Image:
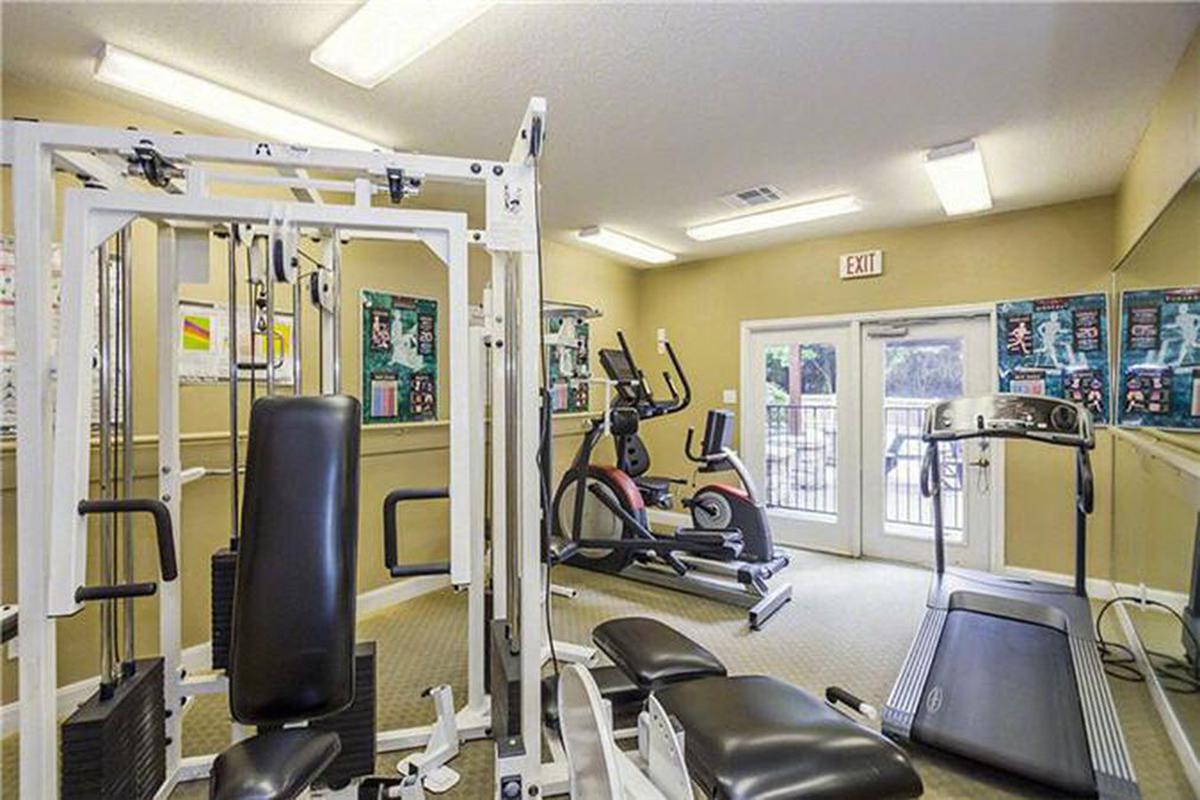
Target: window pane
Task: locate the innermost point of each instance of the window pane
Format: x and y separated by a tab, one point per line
918	372
801	436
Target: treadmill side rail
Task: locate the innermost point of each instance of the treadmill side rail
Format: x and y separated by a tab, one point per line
1106	741
905	699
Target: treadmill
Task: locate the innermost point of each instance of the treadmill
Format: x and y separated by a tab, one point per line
1005	671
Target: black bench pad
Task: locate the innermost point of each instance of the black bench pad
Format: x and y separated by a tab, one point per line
652	654
276	765
758	738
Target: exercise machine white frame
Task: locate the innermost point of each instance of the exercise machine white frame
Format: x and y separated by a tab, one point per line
53	446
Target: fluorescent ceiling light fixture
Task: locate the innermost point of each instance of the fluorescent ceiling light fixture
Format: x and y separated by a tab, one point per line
384	36
131	72
624	245
959	178
776	218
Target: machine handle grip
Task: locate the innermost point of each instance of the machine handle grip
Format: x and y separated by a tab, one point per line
391	544
927	477
163	529
670	387
87	593
1087	482
836	694
687	447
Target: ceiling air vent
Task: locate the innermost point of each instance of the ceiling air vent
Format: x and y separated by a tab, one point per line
754	196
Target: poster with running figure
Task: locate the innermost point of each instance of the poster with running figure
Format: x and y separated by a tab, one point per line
1056	346
567	361
1160	358
399	358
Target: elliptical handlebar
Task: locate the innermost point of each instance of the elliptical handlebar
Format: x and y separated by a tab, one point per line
687	387
642	396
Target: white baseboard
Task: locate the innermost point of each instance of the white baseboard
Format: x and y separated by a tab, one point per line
198	658
1103	589
1099	588
1176	600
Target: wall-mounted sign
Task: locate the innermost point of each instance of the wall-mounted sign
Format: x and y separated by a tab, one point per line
1056	346
868	264
566	341
1160	358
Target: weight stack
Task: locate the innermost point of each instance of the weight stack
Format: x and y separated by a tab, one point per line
355	726
115	749
224	575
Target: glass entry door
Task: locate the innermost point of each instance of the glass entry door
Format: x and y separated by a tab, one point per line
800	441
906	367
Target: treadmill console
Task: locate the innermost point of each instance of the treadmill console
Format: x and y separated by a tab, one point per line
1011	416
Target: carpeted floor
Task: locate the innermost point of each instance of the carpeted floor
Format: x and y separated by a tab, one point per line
850	624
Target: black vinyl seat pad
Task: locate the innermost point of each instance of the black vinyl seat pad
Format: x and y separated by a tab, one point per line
755	737
276	765
653	654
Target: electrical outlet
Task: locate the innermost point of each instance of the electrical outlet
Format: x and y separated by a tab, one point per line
661	337
729	396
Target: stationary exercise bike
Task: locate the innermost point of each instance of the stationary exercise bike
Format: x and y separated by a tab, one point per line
600	511
720	506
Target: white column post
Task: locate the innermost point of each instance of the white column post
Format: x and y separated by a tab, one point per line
170	604
33	217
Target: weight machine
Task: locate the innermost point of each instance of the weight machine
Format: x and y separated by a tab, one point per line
166	179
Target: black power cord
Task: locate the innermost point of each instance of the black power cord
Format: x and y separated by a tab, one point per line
545	443
1175	673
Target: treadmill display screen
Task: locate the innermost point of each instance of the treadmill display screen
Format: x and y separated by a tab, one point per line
1046	419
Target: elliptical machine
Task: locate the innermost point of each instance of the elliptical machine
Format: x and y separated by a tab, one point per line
600	511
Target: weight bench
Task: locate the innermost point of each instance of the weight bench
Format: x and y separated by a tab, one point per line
750	737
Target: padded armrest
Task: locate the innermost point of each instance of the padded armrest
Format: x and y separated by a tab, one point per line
652	654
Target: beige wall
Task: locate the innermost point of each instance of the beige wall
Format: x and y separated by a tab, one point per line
1168	153
1046	251
393	455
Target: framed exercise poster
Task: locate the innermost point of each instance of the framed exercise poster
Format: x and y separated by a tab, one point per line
1160	358
399	358
567	361
1056	346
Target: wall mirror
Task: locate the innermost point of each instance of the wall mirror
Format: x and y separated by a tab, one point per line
1156	480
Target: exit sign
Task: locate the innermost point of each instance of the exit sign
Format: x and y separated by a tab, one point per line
861	265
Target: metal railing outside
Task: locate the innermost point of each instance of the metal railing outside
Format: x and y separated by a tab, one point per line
903	450
801	454
801	447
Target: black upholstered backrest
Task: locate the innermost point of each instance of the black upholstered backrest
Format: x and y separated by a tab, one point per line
292	652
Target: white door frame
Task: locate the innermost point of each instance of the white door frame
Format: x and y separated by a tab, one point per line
855	321
841	535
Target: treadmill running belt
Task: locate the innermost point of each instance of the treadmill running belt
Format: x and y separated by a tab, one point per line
1003	693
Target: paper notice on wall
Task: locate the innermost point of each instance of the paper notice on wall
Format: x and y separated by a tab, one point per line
8	330
204	344
510	215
